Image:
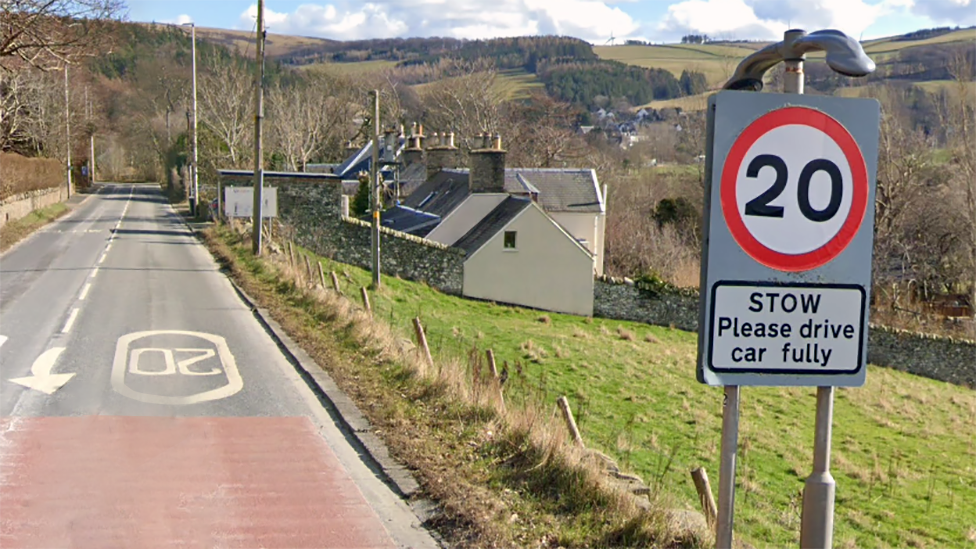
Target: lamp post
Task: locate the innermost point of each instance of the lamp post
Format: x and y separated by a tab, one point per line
193	170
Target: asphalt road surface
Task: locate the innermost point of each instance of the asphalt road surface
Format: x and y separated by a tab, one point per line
142	405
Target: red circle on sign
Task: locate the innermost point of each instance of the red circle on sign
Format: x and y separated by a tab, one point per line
859	201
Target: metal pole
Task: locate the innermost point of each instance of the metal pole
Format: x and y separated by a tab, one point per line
258	116
196	180
67	126
375	184
726	476
817	520
91	138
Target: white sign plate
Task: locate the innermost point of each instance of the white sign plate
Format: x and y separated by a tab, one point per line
786	329
239	202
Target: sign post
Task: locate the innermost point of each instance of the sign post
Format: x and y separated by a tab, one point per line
786	263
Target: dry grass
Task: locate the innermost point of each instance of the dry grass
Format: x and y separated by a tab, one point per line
503	475
19	174
15	231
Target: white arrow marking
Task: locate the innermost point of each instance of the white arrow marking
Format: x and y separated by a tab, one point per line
41	378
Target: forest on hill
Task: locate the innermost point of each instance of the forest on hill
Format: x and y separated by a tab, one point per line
568	67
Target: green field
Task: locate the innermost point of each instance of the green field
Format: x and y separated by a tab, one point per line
509	84
904	448
716	62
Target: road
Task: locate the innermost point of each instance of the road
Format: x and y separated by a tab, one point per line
142	404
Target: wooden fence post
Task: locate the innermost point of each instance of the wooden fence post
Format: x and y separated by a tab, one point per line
700	478
291	254
422	341
321	275
563	403
493	367
491	363
335	282
366	305
308	269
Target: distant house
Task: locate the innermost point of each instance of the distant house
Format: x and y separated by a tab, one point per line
532	236
518	254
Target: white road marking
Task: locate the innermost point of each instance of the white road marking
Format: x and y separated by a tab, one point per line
3	339
109	247
41	378
94	272
127	361
71	320
84	292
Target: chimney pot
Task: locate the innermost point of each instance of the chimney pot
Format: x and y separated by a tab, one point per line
450	140
496	142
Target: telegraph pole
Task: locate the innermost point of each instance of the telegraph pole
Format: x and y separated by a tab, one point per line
67	126
258	116
375	184
91	139
196	179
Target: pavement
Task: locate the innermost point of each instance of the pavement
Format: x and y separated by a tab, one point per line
142	404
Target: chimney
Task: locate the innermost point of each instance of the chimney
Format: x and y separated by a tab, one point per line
350	148
488	165
441	155
389	145
413	153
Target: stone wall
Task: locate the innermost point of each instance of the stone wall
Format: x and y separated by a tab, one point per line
941	358
625	301
309	212
21	205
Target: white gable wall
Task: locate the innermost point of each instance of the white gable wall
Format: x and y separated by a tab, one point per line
586	226
465	217
547	270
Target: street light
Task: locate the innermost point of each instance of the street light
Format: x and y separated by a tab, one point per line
193	170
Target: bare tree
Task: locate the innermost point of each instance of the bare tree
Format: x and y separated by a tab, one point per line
47	33
226	108
466	104
309	117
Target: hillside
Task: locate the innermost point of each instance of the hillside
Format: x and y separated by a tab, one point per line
920	61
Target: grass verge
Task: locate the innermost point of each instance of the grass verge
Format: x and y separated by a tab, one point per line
502	475
18	229
904	450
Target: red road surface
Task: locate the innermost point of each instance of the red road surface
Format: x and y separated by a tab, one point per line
145	482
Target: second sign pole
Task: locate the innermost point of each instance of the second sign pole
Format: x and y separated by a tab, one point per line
817	519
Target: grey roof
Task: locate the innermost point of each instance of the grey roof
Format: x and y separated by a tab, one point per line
441	194
407	220
412	177
559	189
480	234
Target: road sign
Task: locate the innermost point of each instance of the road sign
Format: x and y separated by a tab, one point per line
787	259
239	202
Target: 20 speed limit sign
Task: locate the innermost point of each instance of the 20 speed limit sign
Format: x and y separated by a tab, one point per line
787	260
794	189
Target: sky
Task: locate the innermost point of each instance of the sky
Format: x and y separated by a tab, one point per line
592	20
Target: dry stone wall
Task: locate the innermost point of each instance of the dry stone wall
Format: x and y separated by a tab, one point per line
20	205
309	210
941	358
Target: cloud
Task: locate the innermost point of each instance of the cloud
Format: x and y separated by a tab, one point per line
954	12
767	19
179	20
593	20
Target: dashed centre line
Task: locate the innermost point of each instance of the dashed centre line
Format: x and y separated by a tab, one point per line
94	272
71	320
84	292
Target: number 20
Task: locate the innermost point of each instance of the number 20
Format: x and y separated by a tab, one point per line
760	207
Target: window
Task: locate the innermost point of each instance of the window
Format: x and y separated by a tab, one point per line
510	240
